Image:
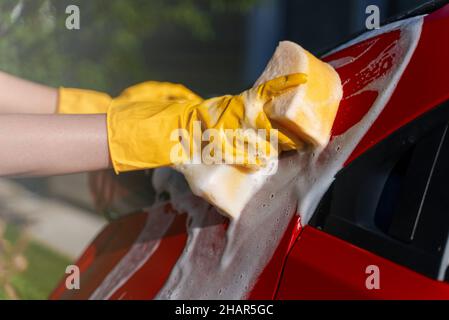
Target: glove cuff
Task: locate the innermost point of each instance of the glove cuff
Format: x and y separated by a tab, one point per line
79	101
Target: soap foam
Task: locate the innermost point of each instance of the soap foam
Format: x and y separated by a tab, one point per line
242	250
219	263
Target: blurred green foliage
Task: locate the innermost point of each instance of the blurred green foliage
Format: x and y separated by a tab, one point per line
45	267
35	44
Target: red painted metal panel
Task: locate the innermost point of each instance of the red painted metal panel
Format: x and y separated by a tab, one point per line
321	266
423	85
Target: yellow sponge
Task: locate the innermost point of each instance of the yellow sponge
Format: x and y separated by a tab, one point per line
308	111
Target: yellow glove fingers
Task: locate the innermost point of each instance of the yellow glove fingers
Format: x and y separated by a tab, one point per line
280	85
153	90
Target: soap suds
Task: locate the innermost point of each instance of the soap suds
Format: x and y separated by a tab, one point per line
242	250
145	245
224	263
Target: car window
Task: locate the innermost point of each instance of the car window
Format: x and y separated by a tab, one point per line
394	200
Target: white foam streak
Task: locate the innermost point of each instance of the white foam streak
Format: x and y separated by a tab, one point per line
143	248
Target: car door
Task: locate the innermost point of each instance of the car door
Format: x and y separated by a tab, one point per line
381	230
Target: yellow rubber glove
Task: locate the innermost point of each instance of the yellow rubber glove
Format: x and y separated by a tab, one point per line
140	133
80	101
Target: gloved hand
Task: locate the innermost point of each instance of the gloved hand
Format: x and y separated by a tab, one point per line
141	133
80	101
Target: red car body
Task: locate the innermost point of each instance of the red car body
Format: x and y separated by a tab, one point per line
309	262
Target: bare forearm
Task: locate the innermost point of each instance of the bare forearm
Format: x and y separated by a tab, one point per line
22	96
35	145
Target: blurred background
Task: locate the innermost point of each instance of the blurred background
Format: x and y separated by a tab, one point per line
212	46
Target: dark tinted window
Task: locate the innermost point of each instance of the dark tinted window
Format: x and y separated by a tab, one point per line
394	199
